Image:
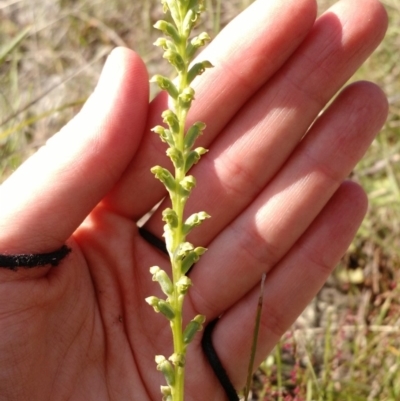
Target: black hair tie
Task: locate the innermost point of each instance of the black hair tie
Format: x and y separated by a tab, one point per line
206	342
30	260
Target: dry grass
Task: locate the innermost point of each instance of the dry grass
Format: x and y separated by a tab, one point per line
349	348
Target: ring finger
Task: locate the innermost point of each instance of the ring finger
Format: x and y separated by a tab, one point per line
255	241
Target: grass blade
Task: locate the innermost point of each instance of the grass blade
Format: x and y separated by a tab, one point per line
255	339
13	44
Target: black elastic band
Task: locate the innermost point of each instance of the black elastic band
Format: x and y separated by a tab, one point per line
30	260
219	370
153	240
206	342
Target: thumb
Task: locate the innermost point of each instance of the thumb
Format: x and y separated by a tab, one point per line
47	198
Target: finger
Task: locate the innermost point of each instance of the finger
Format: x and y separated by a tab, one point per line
269	227
248	52
45	200
291	285
254	146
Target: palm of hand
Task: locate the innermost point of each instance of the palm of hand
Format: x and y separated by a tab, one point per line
82	330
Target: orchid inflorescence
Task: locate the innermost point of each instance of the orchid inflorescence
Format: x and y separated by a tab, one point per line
179	51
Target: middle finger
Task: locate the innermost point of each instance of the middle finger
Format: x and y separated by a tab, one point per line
256	144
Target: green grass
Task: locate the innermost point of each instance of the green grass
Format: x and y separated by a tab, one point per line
51	54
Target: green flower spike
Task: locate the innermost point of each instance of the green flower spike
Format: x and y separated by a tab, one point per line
179	50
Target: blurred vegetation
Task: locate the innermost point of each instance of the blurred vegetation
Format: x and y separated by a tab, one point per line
51	54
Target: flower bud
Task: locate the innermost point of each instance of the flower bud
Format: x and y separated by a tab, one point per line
162	278
164	176
196	43
165	44
164	3
169	238
183	285
170	217
168	29
166	368
175	59
170	118
193	157
176	157
186	97
174	9
194	220
183	249
191	258
192	328
193	133
164	134
188	22
166	393
177	359
161	42
200	40
166	309
188	183
198	69
153	301
200	7
165	84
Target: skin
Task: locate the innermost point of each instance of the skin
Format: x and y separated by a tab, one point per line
279	201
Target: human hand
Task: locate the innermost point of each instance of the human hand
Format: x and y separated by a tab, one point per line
277	197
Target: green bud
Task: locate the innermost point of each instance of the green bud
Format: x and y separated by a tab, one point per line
165	390
161	306
186	97
194	220
188	22
161	42
174	9
168	29
193	157
183	249
177	359
164	134
192	328
170	118
169	237
166	309
197	6
188	183
165	84
175	59
170	217
193	133
165	5
166	368
153	301
176	157
165	44
164	176
198	69
196	43
166	393
183	285
162	278
191	258
200	40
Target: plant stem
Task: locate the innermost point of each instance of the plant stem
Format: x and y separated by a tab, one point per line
179	52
